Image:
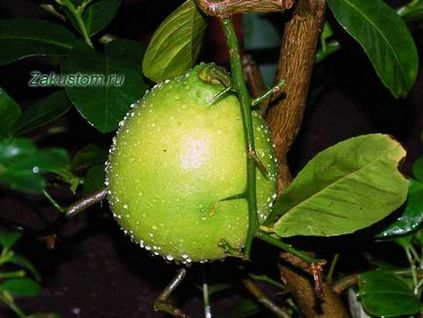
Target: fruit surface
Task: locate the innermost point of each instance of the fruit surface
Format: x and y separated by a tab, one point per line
176	165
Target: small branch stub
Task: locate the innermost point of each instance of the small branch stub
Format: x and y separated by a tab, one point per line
226	8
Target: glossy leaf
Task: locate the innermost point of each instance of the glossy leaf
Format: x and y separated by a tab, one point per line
9	113
94	180
412	216
24	287
43	112
244	308
384	37
387	295
113	85
22	261
176	44
20	38
9	238
344	188
21	164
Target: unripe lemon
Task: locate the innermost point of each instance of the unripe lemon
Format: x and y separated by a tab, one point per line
177	171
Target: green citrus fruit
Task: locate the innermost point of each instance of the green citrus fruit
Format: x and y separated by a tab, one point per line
177	171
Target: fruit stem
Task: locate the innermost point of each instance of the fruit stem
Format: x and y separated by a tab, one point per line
240	87
286	247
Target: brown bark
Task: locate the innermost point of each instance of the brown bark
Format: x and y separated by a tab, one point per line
295	274
297	58
227	8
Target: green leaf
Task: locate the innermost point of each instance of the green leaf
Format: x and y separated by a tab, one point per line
24	287
113	86
20	38
98	15
9	113
94	180
385	39
176	44
21	164
418	169
412	217
43	112
127	50
9	238
387	295
22	261
344	188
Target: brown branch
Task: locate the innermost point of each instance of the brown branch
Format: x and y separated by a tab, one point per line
227	8
296	62
344	283
296	276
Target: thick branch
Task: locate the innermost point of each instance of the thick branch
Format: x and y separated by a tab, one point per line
296	62
329	305
226	8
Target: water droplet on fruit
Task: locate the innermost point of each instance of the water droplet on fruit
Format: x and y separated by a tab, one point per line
170	258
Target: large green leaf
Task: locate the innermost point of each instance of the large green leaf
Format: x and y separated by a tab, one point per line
21	164
176	44
43	112
384	37
9	113
387	295
24	287
21	38
344	188
103	103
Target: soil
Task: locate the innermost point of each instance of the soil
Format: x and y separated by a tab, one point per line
96	272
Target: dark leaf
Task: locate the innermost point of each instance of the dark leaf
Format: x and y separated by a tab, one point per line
94	180
20	38
88	156
112	86
387	295
384	37
412	217
127	50
9	113
418	169
43	112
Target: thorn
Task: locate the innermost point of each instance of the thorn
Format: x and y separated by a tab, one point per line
220	96
275	89
260	165
235	197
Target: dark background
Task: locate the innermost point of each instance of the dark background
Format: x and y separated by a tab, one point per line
95	272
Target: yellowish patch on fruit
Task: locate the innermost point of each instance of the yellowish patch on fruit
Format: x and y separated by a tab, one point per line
175	160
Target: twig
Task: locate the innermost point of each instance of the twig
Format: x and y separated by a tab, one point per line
85	203
262	298
226	8
254	79
162	301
